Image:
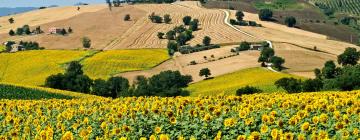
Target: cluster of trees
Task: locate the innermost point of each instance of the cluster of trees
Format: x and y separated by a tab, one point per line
242	47
267	55
180	35
158	19
197	48
330	77
248	90
325	9
25	30
23	45
167	83
240	21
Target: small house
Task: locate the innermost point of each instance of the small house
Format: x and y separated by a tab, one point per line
256	47
16	48
55	30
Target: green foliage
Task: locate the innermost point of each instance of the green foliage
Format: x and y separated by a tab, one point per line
172	47
312	85
21	93
170	35
248	90
207	41
19	31
11	32
167	18
86	42
160	35
194	25
265	14
26	29
239	15
277	62
290	21
155	18
291	85
187	20
348	79
70	30
205	72
278	5
243	46
350	57
266	54
63	32
329	70
11	20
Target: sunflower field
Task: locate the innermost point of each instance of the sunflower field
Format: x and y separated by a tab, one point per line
321	115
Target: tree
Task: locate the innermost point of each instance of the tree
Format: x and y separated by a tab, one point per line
205	72
239	15
266	54
142	86
291	85
127	17
350	57
265	14
179	29
329	70
19	31
26	29
74	68
118	86
63	32
70	30
11	32
290	21
172	47
170	35
347	80
317	73
109	4
194	25
206	40
11	20
55	81
248	90
167	18
243	46
187	20
277	62
101	88
182	38
160	35
169	84
86	42
312	85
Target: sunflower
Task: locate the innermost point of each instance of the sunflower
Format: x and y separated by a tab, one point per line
143	138
274	133
345	134
67	136
157	130
264	129
323	118
164	137
254	136
123	138
339	125
116	131
126	128
173	120
152	137
241	137
207	117
229	122
180	138
305	126
323	134
301	137
265	118
356	132
83	133
289	136
242	114
315	119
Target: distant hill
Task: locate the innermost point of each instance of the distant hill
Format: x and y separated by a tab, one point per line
4	11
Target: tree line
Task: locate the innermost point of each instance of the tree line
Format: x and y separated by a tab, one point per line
166	83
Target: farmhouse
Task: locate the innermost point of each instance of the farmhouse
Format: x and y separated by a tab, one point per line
16	48
256	47
54	30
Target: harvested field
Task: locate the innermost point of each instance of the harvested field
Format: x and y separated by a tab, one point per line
102	27
143	33
246	59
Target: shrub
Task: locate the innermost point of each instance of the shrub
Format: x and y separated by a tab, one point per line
205	72
193	62
86	42
194	25
239	15
172	47
160	35
127	17
167	18
206	40
11	32
265	14
243	23
11	20
290	21
233	22
243	46
248	90
252	23
170	35
277	62
291	85
187	20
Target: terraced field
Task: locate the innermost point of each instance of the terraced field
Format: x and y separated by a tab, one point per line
351	7
228	84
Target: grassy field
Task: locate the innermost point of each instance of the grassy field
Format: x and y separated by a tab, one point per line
2	48
108	63
229	83
32	67
278	4
321	115
351	7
